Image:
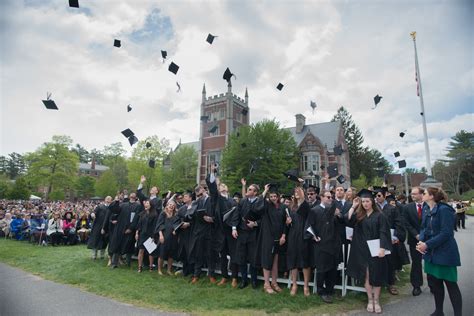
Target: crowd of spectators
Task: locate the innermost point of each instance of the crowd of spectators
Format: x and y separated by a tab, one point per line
55	223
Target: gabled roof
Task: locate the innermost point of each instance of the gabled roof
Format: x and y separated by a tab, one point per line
327	133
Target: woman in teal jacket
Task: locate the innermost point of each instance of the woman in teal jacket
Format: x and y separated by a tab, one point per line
439	249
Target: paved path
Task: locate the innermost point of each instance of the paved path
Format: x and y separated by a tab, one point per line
421	305
22	293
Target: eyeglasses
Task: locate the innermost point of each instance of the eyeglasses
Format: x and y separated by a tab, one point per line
328	197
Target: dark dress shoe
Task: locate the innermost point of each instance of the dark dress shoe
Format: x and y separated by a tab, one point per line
416	291
326	298
243	284
254	284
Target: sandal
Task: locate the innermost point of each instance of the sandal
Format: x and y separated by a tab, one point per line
139	269
151	268
294	289
370	306
377	307
306	291
159	272
276	287
268	289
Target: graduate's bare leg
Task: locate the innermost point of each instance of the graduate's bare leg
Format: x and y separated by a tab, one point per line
376	291
141	253
370	297
266	282
94	254
160	266
170	266
275	274
294	286
306	276
150	260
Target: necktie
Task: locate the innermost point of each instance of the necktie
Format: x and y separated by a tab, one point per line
419	210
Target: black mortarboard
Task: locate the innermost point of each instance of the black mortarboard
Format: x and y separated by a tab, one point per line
378	189
273	188
286	196
127	133
341	179
311	173
132	140
129	108
338	150
204	118
390	197
377	99
291	175
148	144
244	111
212	129
402	164
402	134
243	145
210	38
237	194
117	43
164	54
179	86
396	154
322	167
332	170
173	68
364	193
316	189
280	86
151	163
74	3
179	192
50	105
227	75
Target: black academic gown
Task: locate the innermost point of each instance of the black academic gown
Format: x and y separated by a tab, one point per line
246	245
297	254
155	202
325	225
200	232
272	227
96	239
375	226
127	218
184	233
399	256
146	228
220	206
165	225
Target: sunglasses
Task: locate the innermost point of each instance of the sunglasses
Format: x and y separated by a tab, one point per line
328	197
311	193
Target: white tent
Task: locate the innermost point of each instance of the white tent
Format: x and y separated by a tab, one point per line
34	197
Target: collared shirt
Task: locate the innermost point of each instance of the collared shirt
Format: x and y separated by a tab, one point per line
382	205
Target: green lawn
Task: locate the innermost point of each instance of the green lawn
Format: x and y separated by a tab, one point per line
470	211
72	265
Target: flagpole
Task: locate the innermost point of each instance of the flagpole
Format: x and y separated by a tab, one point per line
422	113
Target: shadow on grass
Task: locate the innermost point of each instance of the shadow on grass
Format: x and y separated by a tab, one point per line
72	265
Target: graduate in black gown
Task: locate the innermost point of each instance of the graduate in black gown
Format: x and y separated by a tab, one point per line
155	200
369	223
183	230
122	241
97	239
168	239
145	229
223	242
298	248
325	244
244	229
271	237
395	222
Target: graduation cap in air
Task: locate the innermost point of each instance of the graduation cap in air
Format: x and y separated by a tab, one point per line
322	167
341	179
338	150
332	170
163	55
49	104
129	108
292	175
173	68
179	87
313	105
213	129
74	3
364	193
280	86
402	134
117	43
396	154
132	140
243	145
402	164
127	133
377	99
311	174
148	144
151	163
253	167
227	75
244	111
210	38
204	118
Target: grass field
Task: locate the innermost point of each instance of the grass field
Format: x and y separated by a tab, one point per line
470	211
72	265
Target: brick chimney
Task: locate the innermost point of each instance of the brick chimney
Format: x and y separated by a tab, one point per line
300	123
93	163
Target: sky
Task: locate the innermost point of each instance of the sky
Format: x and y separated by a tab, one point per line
336	53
